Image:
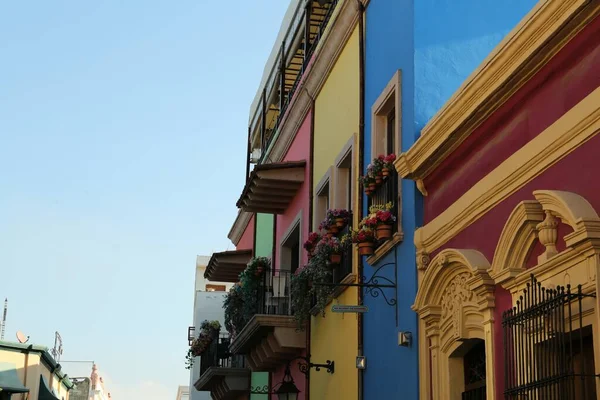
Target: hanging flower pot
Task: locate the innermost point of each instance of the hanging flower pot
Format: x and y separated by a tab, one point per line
335	258
385	171
383	232
366	248
372	186
379	179
340	222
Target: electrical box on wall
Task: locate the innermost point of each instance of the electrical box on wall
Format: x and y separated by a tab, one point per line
404	339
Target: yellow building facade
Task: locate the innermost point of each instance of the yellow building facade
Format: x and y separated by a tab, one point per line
335	336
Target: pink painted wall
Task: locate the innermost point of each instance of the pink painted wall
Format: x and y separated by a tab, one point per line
299	379
247	240
299	150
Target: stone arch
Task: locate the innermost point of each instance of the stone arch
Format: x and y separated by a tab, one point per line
455	303
536	219
518	236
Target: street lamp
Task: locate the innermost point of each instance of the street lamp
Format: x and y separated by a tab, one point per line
287	390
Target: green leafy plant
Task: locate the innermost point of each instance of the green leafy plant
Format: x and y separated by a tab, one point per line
250	281
209	331
234	310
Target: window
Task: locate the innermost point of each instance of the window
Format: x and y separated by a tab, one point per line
344	177
386	119
322	200
290	249
215	288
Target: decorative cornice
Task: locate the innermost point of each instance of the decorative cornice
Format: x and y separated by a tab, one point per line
336	35
239	226
523	52
578	125
256	325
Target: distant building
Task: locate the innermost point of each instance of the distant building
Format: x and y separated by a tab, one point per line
91	388
30	370
183	393
208	305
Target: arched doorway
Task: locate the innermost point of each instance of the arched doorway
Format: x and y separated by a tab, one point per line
471	357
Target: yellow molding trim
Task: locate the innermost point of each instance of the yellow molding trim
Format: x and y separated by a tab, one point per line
487	84
577	126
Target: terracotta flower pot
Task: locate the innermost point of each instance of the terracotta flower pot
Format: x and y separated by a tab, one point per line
372	186
366	248
333	229
340	223
368	191
379	179
335	258
329	234
383	232
385	171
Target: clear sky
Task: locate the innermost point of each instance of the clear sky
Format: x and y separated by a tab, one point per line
122	151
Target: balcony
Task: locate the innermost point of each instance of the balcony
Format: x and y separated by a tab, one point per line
284	72
222	373
191	334
271	337
272	187
387	192
227	265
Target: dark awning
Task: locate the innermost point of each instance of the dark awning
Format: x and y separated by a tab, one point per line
227	265
9	379
272	187
45	392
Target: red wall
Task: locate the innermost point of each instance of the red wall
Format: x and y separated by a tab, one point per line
568	78
299	150
247	240
299	379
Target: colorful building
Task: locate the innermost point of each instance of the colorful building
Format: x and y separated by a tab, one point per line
417	53
507	257
30	372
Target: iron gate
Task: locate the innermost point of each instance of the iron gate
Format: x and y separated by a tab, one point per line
546	347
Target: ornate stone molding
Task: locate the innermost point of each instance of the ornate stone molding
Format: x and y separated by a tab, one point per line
516	59
239	226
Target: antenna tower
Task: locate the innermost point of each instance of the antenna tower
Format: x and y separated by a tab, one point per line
3	325
58	347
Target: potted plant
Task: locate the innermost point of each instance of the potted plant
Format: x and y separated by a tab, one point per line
388	164
311	243
331	248
364	237
329	224
383	219
233	305
340	216
368	183
209	331
375	169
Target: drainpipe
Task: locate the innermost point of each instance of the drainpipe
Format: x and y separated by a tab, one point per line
361	145
311	158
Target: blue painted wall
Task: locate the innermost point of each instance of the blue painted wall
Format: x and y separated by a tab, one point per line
436	44
452	38
391	371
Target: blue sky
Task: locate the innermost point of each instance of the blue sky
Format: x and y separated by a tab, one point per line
122	149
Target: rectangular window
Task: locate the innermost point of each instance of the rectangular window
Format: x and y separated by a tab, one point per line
321	201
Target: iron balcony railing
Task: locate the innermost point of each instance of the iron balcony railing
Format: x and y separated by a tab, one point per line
191	334
344	268
218	356
308	27
548	351
274	293
385	193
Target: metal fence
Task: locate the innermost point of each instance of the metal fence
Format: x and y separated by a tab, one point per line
385	193
548	352
218	355
274	293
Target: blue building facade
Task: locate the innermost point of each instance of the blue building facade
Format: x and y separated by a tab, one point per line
423	50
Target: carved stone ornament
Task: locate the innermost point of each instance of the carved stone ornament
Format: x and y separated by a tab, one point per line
547	234
423	260
456	294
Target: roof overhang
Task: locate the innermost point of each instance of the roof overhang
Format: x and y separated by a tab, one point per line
227	265
272	187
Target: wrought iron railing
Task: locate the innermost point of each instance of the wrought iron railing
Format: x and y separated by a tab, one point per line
218	356
387	192
274	293
546	346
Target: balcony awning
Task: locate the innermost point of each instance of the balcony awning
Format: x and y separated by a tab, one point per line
9	379
227	265
271	187
45	392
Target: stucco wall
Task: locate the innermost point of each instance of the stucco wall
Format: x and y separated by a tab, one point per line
452	37
299	150
392	369
335	336
264	235
247	240
337	104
